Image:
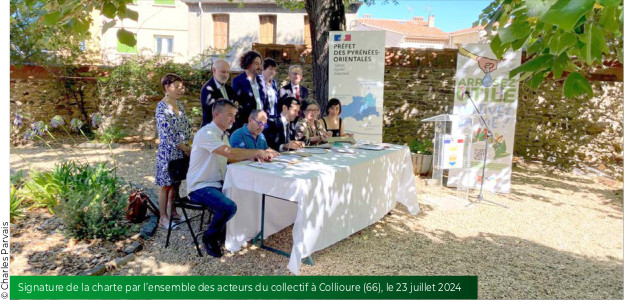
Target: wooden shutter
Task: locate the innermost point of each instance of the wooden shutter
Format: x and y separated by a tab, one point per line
268	25
307	39
221	30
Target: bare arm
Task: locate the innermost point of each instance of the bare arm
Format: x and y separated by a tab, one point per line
238	154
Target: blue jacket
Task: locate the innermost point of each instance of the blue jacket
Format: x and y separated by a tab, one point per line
242	138
246	100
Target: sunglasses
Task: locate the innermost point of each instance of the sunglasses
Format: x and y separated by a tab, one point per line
261	124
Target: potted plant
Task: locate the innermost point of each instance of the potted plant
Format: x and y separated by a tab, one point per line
421	156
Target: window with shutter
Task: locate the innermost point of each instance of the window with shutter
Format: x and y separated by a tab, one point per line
307	39
268	25
221	30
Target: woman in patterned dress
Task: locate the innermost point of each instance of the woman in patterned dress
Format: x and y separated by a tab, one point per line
309	129
174	131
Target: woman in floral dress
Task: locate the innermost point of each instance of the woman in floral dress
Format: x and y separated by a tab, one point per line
174	132
309	129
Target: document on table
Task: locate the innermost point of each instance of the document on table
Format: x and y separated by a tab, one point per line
291	159
267	165
372	147
343	150
312	150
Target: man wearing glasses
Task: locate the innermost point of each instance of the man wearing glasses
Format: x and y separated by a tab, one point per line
250	135
294	88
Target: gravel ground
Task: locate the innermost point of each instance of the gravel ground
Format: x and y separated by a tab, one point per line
560	238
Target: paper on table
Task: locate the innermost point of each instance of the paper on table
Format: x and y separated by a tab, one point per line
291	159
341	139
312	150
371	147
302	154
267	165
343	150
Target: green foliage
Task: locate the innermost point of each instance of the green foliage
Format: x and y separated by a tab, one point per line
576	84
41	30
17	179
16	204
111	134
560	36
90	199
45	189
139	76
94	207
422	147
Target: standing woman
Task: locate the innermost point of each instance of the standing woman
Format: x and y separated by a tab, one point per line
269	88
174	131
332	121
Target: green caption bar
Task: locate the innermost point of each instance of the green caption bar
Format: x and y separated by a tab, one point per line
237	287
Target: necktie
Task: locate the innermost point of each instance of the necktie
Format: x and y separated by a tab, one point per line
223	92
297	92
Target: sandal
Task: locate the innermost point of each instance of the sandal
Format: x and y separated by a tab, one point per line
179	218
174	226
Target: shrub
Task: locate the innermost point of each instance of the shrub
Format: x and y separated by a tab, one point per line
44	189
424	147
17	179
16	204
91	200
94	207
111	134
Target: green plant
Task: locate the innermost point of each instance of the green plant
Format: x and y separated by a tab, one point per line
45	189
421	147
111	134
16	204
17	179
95	204
560	36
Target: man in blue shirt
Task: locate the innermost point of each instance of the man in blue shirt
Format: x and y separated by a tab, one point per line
250	135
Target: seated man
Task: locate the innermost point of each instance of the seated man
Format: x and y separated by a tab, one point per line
281	130
210	154
250	135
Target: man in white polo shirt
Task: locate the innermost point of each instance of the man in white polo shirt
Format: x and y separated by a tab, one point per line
210	154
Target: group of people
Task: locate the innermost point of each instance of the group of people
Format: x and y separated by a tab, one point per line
262	120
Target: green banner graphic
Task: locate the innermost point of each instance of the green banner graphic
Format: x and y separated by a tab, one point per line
240	287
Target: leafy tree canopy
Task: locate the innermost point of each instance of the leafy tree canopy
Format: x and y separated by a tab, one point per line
40	28
573	36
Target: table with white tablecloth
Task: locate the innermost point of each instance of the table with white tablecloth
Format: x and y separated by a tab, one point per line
328	197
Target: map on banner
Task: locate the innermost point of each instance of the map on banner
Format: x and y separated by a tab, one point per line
356	79
361	108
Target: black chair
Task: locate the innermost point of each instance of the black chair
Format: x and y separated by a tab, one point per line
177	171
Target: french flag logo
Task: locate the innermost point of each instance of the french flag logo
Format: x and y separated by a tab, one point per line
338	38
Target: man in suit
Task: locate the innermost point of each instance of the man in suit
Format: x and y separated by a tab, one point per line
215	88
248	91
293	88
280	134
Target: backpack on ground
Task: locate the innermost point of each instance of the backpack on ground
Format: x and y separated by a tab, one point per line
138	204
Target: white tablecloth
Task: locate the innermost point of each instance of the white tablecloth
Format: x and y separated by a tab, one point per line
330	196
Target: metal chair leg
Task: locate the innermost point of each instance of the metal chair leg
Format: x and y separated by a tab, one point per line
201	223
169	229
188	222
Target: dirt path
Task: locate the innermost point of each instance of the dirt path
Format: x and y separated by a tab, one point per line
560	238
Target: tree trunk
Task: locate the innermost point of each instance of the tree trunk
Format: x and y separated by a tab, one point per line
324	16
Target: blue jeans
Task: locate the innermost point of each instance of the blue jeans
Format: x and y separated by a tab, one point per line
223	208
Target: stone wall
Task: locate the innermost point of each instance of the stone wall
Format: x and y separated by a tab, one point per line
418	84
